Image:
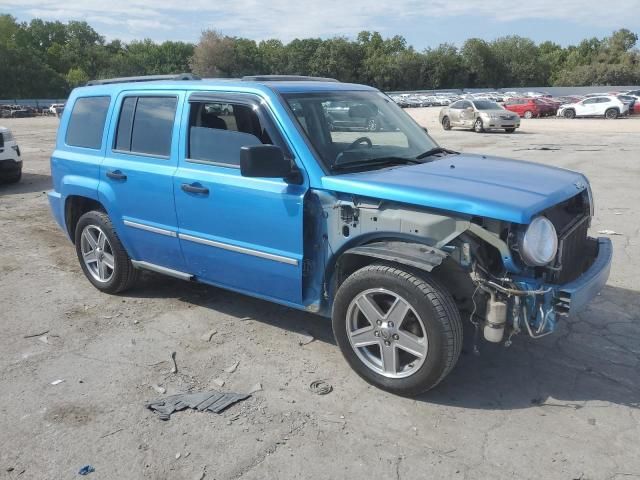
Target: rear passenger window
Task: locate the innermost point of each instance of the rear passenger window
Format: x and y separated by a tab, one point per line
146	125
217	131
86	123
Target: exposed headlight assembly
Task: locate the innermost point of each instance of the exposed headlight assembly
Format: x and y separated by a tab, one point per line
539	244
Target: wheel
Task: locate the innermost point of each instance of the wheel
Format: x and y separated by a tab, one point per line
398	329
102	257
446	123
528	114
611	113
570	113
477	126
509	130
13	178
372	125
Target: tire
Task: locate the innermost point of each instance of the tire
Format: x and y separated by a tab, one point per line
528	114
569	113
611	113
13	178
477	126
373	125
509	130
122	274
446	123
432	322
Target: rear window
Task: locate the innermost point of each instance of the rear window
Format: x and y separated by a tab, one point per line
146	125
86	124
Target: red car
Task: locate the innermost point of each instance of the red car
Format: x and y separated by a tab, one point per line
531	107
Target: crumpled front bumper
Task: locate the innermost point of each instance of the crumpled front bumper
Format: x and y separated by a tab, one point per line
574	296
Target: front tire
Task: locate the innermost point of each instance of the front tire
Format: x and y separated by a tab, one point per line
569	113
102	257
478	127
509	130
446	123
399	330
528	114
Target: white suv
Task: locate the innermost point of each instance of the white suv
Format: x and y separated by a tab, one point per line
607	106
10	161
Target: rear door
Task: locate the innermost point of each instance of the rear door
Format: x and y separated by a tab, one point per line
454	113
236	232
137	175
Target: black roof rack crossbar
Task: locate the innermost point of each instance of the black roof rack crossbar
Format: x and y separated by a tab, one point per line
286	78
144	78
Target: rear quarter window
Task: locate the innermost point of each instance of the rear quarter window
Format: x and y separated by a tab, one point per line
86	123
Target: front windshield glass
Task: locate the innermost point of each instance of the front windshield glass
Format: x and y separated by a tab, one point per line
486	105
357	129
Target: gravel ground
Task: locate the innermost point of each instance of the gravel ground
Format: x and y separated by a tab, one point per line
563	407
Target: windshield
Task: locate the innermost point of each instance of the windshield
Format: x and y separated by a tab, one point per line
486	105
358	129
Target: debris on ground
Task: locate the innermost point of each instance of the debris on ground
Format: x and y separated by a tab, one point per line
57	382
232	368
159	389
256	388
320	387
208	336
608	232
174	369
178	455
218	382
39	334
86	470
211	400
305	338
44	339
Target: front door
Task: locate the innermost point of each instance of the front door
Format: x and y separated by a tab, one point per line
237	232
137	172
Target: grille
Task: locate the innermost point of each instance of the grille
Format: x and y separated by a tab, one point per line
572	259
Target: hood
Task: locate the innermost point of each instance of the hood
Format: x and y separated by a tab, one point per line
499	188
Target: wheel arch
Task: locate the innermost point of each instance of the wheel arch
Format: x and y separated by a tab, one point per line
74	207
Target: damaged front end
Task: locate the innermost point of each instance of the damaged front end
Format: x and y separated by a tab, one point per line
519	297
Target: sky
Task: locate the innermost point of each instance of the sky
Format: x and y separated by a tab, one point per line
424	23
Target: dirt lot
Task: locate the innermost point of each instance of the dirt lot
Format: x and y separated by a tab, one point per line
563	407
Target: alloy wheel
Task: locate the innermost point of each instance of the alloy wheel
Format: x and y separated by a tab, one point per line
386	333
97	253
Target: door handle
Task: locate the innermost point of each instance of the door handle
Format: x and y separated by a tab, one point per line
195	188
116	175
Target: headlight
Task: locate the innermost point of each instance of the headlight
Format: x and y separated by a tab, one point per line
539	243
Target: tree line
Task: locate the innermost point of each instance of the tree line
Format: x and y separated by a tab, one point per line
48	59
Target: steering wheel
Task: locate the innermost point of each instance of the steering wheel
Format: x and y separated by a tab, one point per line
360	140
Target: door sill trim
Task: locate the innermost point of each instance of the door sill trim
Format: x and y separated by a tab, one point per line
160	269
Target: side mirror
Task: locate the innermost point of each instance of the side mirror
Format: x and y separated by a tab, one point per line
265	161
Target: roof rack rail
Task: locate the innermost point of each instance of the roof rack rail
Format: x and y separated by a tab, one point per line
286	78
144	78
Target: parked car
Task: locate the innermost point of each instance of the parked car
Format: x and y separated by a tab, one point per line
631	102
56	109
530	107
387	233
479	115
604	106
10	159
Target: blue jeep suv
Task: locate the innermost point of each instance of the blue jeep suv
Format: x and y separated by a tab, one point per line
244	184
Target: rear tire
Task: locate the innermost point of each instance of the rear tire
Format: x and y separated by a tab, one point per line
528	114
611	114
102	257
13	178
428	323
446	123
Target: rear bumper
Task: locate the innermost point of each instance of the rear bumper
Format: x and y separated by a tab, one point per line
57	208
572	297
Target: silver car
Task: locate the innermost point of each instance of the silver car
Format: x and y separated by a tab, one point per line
478	115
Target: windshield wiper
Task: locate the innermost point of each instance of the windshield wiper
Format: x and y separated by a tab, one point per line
435	151
374	162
